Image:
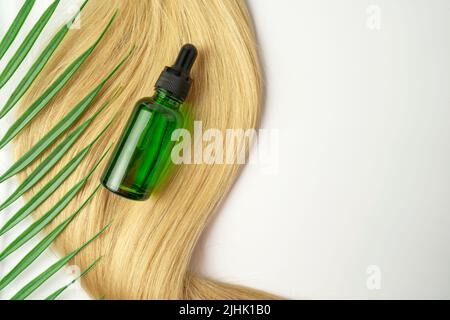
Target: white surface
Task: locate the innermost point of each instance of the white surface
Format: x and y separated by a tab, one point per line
363	176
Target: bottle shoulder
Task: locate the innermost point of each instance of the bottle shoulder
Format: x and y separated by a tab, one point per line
149	104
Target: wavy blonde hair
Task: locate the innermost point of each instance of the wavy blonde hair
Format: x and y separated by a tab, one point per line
147	250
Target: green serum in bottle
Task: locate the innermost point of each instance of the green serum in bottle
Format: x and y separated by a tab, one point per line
143	153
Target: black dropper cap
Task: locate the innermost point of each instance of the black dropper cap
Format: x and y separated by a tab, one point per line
176	79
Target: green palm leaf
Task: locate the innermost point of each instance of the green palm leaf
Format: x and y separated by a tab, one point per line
41	246
58	292
14	29
59	151
44	143
27	44
50	187
50	93
39	280
37	175
48	217
37	67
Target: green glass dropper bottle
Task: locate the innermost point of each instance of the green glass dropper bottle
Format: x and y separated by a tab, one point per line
143	152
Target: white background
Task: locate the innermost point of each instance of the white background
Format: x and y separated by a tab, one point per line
363	174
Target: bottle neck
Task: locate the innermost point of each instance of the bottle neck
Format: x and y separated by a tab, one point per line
166	99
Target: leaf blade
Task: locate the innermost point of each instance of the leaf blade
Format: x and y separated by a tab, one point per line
44	276
41	246
25	160
37	67
58	292
42	222
15	27
31	181
38	105
27	44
